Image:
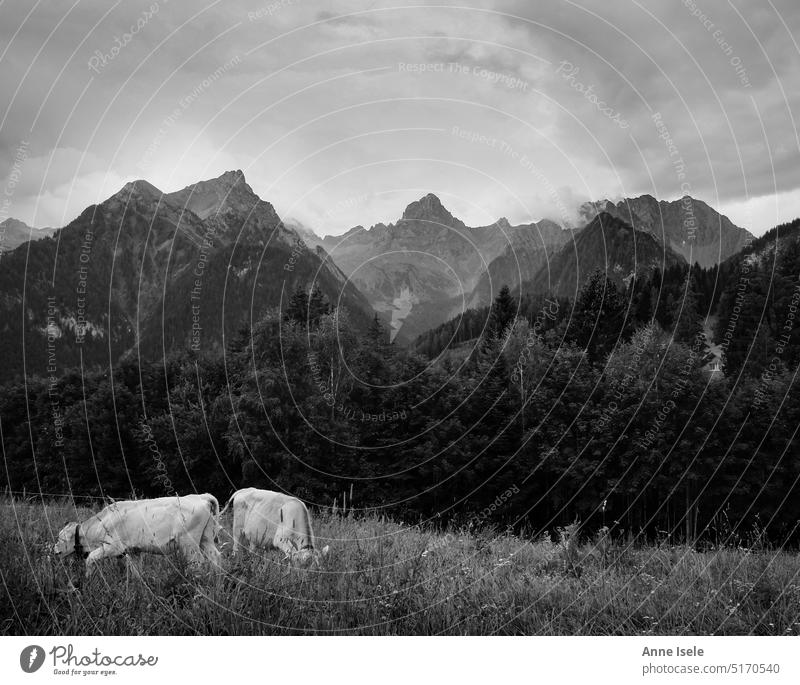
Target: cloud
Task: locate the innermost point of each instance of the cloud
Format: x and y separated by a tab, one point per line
318	107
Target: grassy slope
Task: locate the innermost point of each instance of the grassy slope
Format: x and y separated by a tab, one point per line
386	578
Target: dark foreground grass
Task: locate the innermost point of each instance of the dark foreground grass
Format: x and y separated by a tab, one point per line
386	578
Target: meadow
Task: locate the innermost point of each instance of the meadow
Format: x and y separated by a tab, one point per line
387	578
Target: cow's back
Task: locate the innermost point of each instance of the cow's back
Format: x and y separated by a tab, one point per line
295	518
257	513
213	503
152	524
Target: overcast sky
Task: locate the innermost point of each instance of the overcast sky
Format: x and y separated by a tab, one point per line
340	113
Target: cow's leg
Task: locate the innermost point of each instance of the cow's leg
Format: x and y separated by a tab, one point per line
98	554
211	553
131	569
190	548
236	531
208	544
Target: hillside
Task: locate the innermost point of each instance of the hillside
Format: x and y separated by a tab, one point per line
757	323
607	244
530	248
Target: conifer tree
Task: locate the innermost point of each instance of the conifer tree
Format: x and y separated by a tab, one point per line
297	309
502	314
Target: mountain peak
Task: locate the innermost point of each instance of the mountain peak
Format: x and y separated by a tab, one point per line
13	223
139	192
138	188
205	198
229	179
225	182
428	208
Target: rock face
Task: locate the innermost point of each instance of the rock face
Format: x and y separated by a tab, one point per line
689	227
144	273
14	233
424	269
606	243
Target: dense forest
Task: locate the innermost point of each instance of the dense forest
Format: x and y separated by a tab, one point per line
600	410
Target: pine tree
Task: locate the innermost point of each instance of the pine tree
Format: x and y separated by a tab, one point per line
686	313
642	300
298	308
599	318
318	306
502	315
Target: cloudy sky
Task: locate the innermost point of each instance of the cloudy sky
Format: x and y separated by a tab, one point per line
340	113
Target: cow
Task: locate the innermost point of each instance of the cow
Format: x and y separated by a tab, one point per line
188	524
263	518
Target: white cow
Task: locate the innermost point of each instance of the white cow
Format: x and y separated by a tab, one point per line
187	523
273	520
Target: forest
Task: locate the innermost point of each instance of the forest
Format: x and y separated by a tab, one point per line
537	410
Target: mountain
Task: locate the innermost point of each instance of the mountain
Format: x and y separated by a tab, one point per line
607	243
146	272
688	226
423	269
530	248
14	233
254	262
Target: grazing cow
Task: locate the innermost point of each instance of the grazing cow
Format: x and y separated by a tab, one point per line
273	519
187	523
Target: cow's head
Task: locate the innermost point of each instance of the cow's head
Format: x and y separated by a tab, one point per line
307	555
65	545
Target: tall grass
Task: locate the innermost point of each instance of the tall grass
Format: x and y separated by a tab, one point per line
385	578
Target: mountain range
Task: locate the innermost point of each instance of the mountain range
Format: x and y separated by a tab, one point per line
429	266
146	272
689	227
